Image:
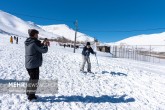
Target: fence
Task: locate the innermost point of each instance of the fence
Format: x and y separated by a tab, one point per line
152	53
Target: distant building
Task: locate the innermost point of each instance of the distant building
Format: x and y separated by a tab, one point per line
104	49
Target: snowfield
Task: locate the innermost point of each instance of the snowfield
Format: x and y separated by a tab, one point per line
118	84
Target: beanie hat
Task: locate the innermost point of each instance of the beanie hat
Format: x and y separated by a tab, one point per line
88	43
32	32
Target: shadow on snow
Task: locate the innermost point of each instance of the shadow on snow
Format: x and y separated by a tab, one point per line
87	99
114	73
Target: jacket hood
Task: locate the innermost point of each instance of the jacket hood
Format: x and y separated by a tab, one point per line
30	41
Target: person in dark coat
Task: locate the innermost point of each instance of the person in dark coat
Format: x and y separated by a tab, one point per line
16	40
85	55
33	60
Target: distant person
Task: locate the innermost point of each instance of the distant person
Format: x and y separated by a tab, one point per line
11	40
16	40
33	60
64	45
85	54
100	49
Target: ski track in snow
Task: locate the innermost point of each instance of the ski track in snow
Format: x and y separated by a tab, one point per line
118	84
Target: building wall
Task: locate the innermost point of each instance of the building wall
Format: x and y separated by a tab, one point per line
103	48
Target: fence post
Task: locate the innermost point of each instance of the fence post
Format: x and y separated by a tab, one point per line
115	51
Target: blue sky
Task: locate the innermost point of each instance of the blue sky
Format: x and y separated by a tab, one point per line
96	18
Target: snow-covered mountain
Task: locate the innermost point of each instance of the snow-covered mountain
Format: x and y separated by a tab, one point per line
13	25
10	24
151	39
65	31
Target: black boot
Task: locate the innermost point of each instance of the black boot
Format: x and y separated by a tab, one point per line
32	97
89	71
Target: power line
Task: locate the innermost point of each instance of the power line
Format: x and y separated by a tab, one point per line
122	30
40	17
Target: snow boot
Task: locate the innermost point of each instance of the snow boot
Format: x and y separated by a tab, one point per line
32	97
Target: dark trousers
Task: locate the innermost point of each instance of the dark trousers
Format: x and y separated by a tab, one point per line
33	81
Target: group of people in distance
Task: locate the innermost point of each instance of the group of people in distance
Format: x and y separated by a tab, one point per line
15	38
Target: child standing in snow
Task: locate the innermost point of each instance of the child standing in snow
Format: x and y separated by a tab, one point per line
85	55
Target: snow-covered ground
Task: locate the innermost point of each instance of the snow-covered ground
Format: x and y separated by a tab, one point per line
119	84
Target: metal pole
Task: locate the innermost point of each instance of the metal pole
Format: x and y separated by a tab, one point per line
76	29
97	62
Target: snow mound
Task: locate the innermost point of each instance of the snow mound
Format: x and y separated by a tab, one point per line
151	39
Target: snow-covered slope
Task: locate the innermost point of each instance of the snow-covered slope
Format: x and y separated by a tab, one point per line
10	24
151	39
119	84
65	31
14	25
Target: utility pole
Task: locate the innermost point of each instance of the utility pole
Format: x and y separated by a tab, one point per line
76	29
164	45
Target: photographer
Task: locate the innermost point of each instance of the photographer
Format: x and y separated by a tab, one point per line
33	60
